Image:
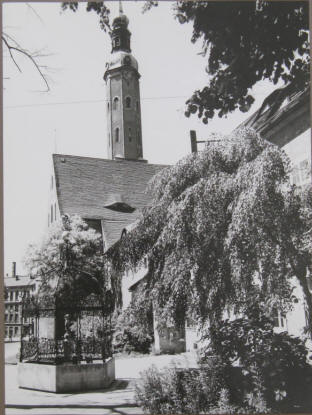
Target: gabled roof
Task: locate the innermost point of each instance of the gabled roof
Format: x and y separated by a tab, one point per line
88	186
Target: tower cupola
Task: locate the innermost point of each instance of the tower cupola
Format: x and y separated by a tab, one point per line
120	33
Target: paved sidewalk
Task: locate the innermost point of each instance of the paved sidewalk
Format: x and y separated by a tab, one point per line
118	399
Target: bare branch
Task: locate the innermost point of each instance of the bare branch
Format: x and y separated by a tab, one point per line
35	13
18	49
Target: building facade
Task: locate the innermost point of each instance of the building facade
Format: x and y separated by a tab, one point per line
16	288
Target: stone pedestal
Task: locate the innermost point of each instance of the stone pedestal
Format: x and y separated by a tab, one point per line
66	377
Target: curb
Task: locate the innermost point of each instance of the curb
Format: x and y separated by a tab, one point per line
100	406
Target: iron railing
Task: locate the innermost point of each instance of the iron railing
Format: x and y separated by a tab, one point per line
69	350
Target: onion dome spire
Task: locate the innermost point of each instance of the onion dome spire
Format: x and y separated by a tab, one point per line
120	33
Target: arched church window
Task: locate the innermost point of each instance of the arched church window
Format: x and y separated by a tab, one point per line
116	103
117	135
130	137
128	102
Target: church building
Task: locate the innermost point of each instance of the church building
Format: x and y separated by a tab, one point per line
109	194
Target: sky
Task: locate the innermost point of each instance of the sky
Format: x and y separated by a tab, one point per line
71	117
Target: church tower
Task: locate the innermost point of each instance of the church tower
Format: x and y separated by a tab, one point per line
123	96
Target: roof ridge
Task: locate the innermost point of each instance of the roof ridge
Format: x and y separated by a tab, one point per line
58	155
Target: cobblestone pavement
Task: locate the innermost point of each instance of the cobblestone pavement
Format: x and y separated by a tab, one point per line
118	399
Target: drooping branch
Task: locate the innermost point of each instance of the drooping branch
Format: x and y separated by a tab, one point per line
17	48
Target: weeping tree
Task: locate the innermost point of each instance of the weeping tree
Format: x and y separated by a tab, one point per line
224	226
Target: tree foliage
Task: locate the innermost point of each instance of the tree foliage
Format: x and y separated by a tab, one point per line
273	366
224	225
247	368
71	254
243	42
246	42
92	6
132	332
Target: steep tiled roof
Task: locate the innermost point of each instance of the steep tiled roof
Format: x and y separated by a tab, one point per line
87	186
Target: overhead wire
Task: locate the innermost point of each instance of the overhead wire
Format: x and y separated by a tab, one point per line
86	102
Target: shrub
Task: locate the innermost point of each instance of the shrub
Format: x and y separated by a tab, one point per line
252	370
273	367
130	336
179	391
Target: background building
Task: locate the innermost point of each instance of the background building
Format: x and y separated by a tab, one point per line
16	287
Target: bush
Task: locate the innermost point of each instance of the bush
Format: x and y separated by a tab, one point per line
178	391
247	368
130	336
272	368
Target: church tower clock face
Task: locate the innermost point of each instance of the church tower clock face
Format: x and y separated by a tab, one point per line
123	96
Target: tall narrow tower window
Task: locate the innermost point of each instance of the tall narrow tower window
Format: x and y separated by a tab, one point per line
117	135
130	138
128	102
116	103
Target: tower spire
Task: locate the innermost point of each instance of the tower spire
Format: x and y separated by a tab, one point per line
123	95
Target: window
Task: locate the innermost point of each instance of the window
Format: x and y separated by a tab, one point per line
16	318
279	319
116	103
16	295
15	331
6	318
11	296
11	318
117	135
16	307
128	102
130	138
